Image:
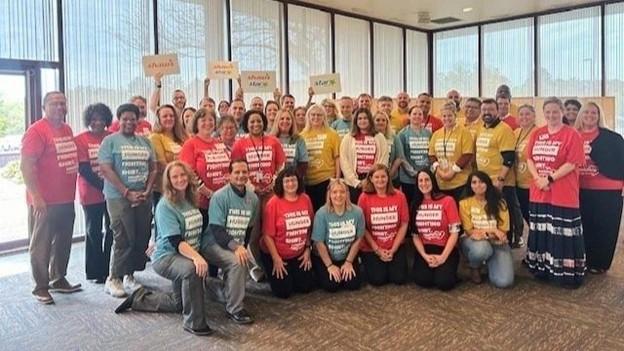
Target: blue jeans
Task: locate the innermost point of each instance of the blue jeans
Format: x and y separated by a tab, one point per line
497	257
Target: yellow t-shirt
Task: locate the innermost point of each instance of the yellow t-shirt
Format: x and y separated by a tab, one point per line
398	120
447	147
166	150
489	145
473	216
472	127
323	149
523	176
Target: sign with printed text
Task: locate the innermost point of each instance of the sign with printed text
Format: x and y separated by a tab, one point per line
258	81
223	70
163	64
326	83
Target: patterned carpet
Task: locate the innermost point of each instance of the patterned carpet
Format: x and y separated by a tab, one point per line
531	316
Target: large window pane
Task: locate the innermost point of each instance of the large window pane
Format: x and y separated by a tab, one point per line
569	53
614	32
195	30
417	62
309	49
256	37
507	57
456	62
28	30
388	60
353	54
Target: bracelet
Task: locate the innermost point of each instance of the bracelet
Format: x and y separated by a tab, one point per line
329	266
351	262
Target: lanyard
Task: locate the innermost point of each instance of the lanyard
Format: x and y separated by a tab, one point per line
256	150
445	141
521	137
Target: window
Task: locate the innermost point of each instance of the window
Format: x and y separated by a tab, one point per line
569	53
256	37
417	62
507	57
614	32
29	30
309	49
455	62
388	59
353	55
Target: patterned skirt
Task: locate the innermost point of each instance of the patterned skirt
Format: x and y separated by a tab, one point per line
556	250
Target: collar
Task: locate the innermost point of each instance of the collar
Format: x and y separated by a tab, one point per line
238	192
497	122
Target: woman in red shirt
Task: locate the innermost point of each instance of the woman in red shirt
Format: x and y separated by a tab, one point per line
434	225
602	187
555	249
97	119
285	244
386	215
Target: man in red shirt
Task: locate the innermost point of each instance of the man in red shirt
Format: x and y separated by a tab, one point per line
49	166
432	123
504	102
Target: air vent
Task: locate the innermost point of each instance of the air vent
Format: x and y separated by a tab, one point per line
445	20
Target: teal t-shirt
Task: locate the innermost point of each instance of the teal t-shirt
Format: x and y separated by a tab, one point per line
338	232
176	219
341	127
130	158
415	150
233	212
394	145
295	150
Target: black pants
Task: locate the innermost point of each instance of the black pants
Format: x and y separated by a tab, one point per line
317	194
213	270
379	272
322	276
409	190
455	193
523	199
296	281
354	193
443	277
601	212
97	244
516	223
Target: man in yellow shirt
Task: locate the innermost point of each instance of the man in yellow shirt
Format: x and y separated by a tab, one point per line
399	116
472	117
455	96
495	155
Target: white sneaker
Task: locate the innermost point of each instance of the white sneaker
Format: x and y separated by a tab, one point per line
130	284
114	287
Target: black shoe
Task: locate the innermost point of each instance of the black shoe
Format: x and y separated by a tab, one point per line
199	332
241	317
100	280
127	303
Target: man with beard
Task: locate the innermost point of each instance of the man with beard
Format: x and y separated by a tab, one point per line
495	154
455	96
399	116
431	122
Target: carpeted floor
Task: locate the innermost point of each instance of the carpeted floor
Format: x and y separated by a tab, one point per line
531	316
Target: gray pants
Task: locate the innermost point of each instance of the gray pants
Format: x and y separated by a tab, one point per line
132	228
234	275
50	244
187	296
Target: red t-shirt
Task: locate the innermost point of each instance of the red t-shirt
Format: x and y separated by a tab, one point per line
289	224
436	219
548	152
210	160
383	216
433	123
264	156
365	150
590	176
57	160
143	128
511	122
88	145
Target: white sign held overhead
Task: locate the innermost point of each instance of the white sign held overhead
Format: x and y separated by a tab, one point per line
161	64
223	70
258	81
326	83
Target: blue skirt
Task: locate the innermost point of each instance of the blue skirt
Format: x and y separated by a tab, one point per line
556	250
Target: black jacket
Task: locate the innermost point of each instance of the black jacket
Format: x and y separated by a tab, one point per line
607	152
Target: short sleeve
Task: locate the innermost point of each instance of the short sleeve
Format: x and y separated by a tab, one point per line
105	154
254	207
302	151
157	148
464	214
269	217
452	215
82	149
217	212
507	140
360	224
278	153
166	220
33	143
335	144
403	208
187	154
432	142
319	229
576	153
467	144
238	150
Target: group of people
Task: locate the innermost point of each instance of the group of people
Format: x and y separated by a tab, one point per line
308	196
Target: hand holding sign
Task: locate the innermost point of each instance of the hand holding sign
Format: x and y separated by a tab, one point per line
325	83
159	65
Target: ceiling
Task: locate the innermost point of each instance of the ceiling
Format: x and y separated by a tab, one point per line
408	11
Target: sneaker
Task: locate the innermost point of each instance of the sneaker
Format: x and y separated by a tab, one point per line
130	283
127	303
241	317
199	332
43	297
256	274
114	287
475	275
63	286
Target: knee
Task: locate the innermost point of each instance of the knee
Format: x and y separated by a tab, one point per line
353	284
281	293
446	283
477	251
502	281
331	287
376	279
423	281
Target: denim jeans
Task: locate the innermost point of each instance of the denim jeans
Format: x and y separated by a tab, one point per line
497	257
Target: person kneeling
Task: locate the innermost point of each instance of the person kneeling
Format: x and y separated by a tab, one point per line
177	254
337	234
285	245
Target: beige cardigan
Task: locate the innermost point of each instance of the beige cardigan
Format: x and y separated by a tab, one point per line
348	158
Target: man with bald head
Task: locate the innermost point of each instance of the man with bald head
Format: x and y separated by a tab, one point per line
455	96
399	116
